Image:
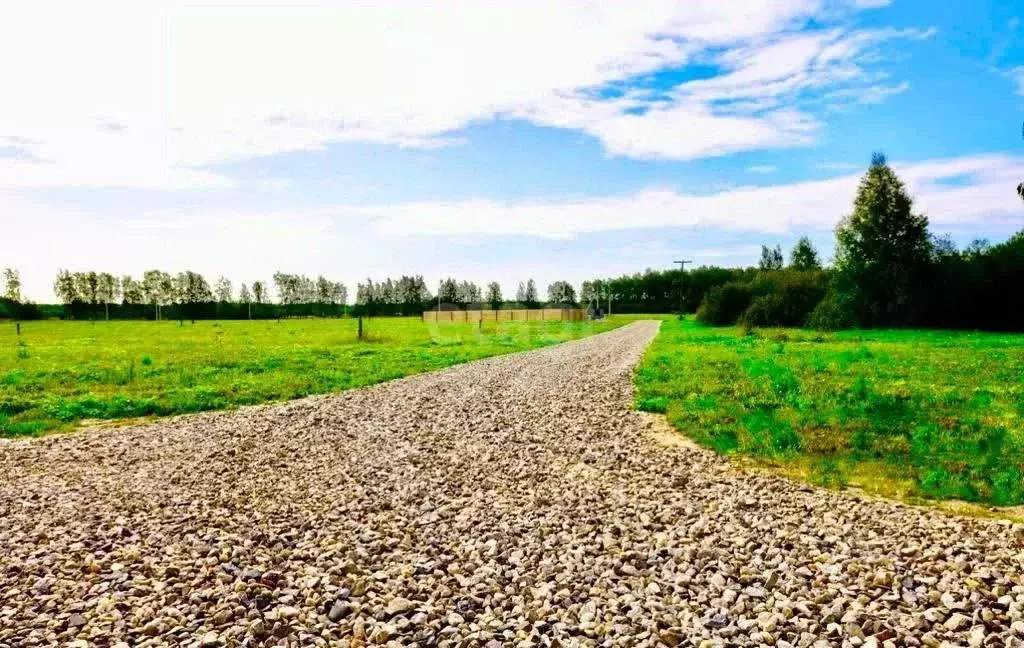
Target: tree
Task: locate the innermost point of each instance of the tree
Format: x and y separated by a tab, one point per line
244	296
157	289
192	289
87	285
259	291
531	294
771	258
65	288
804	256
883	250
521	293
324	288
107	290
448	291
12	285
467	292
131	291
494	295
561	292
339	294
223	291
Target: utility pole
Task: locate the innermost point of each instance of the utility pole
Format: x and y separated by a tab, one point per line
682	299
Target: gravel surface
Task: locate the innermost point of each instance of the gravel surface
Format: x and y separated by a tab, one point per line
511	501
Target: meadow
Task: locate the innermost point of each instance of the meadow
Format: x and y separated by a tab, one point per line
914	413
58	373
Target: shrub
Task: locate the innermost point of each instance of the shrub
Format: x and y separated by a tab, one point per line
832	313
724	304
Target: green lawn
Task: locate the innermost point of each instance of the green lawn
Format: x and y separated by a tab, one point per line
936	414
58	373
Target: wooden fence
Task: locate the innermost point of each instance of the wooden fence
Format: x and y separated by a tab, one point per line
521	315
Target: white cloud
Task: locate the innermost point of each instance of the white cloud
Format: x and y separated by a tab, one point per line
984	193
151	94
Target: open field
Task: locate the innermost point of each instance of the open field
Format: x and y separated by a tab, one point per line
914	413
59	373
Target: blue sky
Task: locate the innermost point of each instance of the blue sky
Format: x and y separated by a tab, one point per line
489	141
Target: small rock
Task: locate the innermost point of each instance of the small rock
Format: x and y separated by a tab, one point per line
957	622
339	610
398	605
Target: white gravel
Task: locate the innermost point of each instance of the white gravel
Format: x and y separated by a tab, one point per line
511	501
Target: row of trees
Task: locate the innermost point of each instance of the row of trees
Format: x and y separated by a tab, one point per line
409	295
188	295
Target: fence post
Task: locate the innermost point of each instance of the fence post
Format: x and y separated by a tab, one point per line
360	327
18	324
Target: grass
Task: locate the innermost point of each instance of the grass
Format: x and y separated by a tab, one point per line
921	414
58	373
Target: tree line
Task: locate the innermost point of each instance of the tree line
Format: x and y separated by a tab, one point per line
889	270
158	294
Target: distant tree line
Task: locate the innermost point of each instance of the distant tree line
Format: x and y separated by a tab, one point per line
188	295
409	295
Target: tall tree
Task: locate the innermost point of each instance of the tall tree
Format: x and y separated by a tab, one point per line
771	258
12	285
804	255
223	291
131	291
259	291
157	289
324	288
65	288
107	290
244	296
466	293
448	291
521	293
88	286
339	293
493	296
883	250
192	289
531	294
561	292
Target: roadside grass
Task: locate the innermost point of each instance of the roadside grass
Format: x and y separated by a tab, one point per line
906	413
57	374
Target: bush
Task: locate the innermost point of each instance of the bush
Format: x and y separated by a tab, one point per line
832	313
724	304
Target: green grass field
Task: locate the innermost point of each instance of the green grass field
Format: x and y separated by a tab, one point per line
933	414
58	373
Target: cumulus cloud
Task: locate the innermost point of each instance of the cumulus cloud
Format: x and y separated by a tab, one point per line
157	94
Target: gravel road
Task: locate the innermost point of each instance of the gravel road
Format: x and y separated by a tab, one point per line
511	501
